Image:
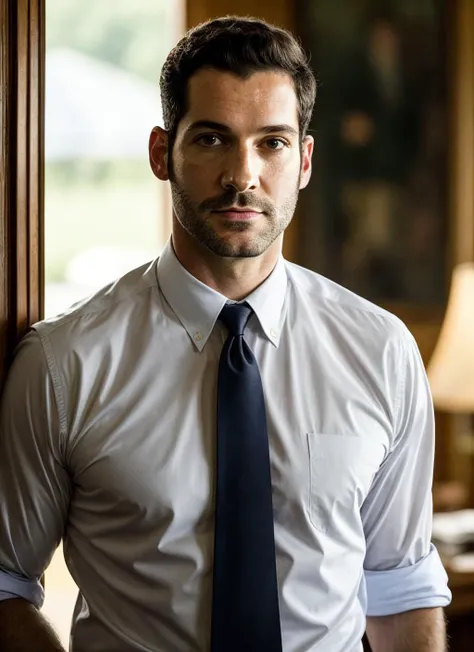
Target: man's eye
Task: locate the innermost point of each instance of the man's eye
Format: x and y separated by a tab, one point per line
275	143
209	140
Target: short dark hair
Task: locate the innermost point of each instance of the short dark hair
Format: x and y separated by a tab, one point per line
241	46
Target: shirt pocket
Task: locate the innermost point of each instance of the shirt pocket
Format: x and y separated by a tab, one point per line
341	471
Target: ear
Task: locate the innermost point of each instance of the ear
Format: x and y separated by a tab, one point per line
158	153
307	154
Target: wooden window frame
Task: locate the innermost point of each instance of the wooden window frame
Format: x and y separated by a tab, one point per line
22	31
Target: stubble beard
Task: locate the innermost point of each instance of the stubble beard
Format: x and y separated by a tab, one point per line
194	220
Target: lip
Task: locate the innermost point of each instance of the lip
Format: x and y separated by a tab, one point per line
239	213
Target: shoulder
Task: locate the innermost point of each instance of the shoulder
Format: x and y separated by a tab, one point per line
123	294
344	311
101	314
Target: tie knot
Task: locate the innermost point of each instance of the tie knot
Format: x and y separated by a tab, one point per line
235	317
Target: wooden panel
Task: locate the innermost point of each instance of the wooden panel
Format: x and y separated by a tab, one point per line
36	126
5	180
30	168
462	181
279	12
21	169
22	106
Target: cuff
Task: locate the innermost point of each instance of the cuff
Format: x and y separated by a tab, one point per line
15	586
421	585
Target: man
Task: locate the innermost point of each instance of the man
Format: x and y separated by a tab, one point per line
236	452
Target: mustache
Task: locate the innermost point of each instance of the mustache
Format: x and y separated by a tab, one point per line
235	198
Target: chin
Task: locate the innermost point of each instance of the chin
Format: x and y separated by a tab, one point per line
232	247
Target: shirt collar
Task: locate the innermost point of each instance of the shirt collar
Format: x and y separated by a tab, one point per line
198	306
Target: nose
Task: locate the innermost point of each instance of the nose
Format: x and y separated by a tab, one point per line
242	170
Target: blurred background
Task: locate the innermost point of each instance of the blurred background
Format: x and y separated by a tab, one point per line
389	212
105	212
379	195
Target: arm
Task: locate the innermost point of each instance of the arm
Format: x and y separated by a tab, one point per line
23	628
34	490
406	583
421	630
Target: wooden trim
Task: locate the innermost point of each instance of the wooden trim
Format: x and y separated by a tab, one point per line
279	12
462	162
21	170
7	180
30	162
37	30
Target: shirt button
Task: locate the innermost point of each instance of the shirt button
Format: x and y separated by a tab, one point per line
273	332
198	337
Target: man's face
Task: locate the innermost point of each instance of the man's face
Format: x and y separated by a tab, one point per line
237	161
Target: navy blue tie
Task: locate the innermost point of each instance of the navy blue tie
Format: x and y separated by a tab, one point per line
245	612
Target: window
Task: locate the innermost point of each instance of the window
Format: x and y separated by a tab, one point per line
105	212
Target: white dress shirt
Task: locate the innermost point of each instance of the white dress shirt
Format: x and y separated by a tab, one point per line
108	441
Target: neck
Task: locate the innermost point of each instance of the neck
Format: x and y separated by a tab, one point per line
235	278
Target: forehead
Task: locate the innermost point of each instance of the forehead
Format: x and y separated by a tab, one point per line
261	99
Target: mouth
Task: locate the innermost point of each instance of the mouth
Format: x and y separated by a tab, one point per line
239	214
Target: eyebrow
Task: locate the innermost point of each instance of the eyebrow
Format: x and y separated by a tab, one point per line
217	126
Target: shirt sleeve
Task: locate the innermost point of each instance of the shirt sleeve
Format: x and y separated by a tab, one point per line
402	568
34	482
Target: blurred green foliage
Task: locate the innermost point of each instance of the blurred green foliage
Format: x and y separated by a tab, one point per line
91	203
122	210
131	35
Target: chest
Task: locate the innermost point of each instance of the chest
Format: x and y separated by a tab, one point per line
144	449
